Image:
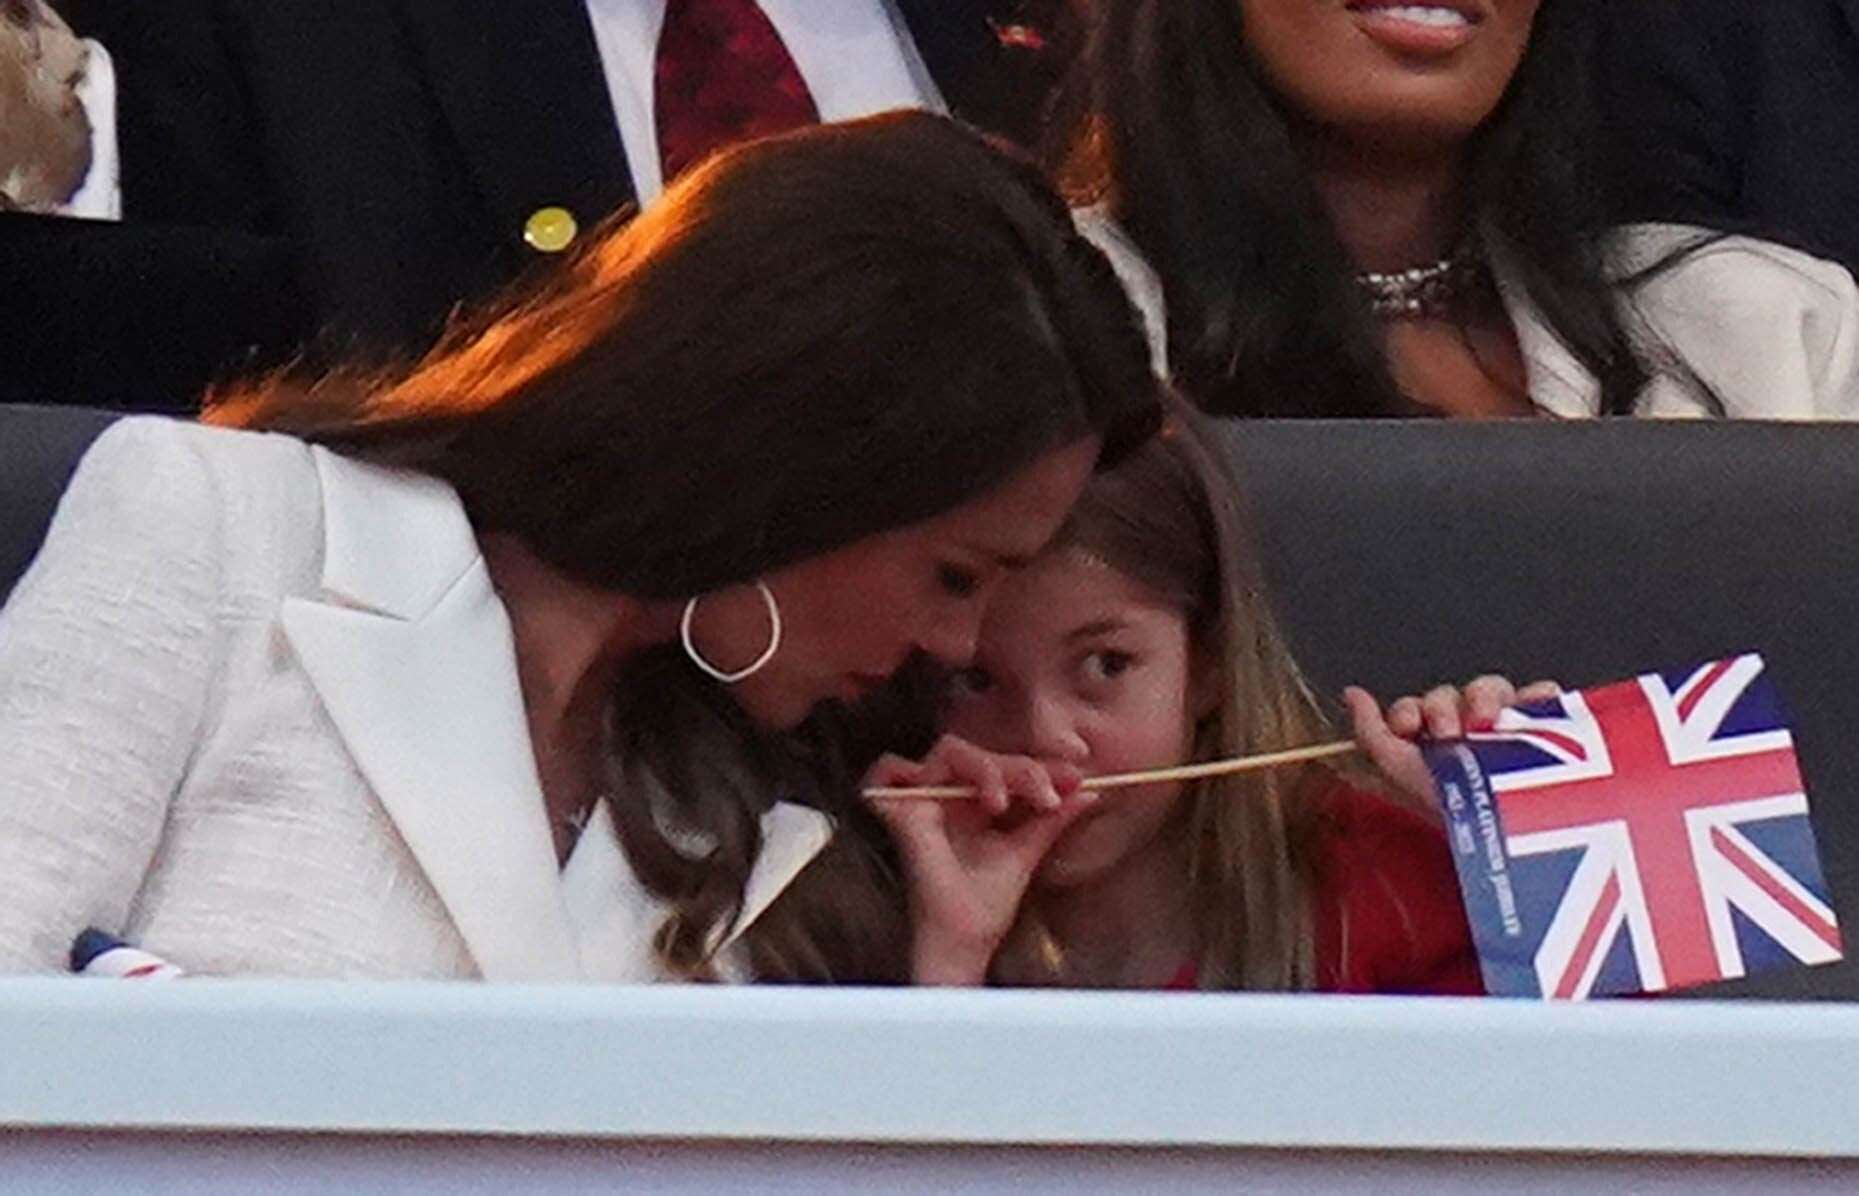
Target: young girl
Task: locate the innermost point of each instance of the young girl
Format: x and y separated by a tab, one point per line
1141	639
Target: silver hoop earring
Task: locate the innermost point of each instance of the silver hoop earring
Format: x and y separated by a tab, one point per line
768	653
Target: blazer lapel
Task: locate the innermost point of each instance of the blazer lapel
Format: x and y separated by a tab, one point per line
524	90
612	915
615	918
411	652
792	835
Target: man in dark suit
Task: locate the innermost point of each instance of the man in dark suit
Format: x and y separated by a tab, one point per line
1738	114
408	156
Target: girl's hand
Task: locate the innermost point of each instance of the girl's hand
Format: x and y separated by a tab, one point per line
1445	712
968	862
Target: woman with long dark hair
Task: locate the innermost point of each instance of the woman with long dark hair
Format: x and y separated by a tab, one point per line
493	668
1369	207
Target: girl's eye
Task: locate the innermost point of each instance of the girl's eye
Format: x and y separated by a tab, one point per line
957	581
1107	665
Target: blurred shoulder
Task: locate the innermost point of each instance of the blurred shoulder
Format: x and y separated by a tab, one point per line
164	478
1685	256
1773	331
153	446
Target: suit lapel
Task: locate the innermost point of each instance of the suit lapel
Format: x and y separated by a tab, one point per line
959	46
997	62
525	93
410	650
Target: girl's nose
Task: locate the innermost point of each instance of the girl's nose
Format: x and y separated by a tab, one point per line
1051	732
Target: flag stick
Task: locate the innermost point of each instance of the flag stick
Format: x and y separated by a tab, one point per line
1185	772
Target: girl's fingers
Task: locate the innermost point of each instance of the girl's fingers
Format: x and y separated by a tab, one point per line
998	780
1066	778
1536	691
1373	732
1405	717
1030	781
1440	707
1001	779
1484	698
1487	697
919	830
917	824
892	772
969	765
1395	755
903	814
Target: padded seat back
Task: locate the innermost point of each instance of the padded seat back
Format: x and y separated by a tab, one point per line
39	448
1401	555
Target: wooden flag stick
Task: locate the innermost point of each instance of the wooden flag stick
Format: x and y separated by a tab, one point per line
1185	772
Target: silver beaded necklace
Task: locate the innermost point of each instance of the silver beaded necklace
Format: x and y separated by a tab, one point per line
1425	292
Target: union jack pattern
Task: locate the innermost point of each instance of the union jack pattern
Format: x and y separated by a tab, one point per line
1643	836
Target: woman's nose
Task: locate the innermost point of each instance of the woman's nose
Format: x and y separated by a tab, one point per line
952	641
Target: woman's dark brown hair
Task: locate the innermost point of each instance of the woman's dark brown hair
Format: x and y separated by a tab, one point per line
808	340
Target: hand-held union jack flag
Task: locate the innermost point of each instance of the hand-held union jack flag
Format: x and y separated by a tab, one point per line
1642	836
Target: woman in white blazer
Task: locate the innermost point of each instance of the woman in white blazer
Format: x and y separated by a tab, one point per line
1378	208
493	668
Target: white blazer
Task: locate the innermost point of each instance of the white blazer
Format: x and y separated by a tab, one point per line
1772	332
259	713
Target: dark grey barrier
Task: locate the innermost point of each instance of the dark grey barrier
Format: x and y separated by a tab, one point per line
39	447
1405	554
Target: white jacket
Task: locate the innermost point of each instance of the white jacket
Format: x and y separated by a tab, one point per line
1773	332
259	714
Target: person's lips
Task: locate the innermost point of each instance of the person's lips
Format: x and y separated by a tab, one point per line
1418	29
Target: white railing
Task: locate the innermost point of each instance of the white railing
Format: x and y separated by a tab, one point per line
1721	1092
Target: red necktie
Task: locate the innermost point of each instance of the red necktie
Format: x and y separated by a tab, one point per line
723	75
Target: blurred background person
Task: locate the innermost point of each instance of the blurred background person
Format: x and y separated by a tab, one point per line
119	315
53	86
1362	207
401	159
1738	115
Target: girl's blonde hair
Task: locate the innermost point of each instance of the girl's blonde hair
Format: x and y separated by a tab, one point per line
1171	519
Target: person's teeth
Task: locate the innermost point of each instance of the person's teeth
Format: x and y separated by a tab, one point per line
1427	15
